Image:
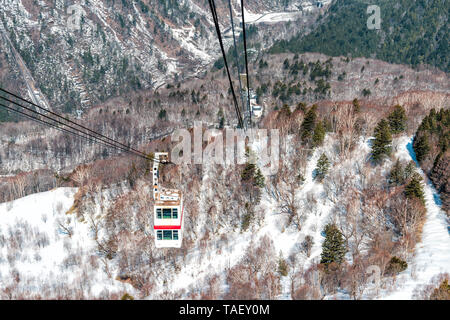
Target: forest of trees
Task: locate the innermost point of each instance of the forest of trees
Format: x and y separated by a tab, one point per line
431	144
376	218
395	123
412	32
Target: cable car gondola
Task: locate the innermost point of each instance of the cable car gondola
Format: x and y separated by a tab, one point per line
168	210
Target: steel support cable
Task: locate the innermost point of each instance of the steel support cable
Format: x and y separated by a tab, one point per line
76	132
236	54
61	123
51	124
219	36
70	121
89	138
246	61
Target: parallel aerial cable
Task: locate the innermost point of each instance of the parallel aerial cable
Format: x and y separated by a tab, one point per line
236	54
246	61
23	114
70	121
64	124
75	131
219	36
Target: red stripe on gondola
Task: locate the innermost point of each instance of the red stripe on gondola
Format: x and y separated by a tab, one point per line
167	227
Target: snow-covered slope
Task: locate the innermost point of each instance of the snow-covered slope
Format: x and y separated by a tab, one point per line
432	255
198	266
46	252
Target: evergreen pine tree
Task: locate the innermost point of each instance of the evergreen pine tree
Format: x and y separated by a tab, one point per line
397	120
356	105
162	115
252	174
333	248
442	292
307	127
127	296
396	265
382	144
323	164
285	111
258	179
409	170
302	107
421	147
319	134
414	188
396	177
248	172
283	268
221	117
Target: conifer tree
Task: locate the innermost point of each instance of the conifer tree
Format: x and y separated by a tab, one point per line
333	248
356	105
285	111
301	106
442	292
307	127
396	177
248	172
319	134
323	164
409	170
221	117
162	115
396	265
253	175
397	120
421	147
258	180
127	296
283	268
382	144
414	188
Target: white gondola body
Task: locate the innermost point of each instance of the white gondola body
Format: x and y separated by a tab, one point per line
168	211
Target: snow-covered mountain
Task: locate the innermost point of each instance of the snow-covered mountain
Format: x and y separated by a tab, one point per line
348	214
71	55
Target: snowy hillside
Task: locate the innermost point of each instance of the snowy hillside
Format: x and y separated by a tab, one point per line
76	243
49	252
46	252
432	255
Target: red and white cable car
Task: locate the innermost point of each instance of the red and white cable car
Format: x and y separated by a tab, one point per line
168	210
